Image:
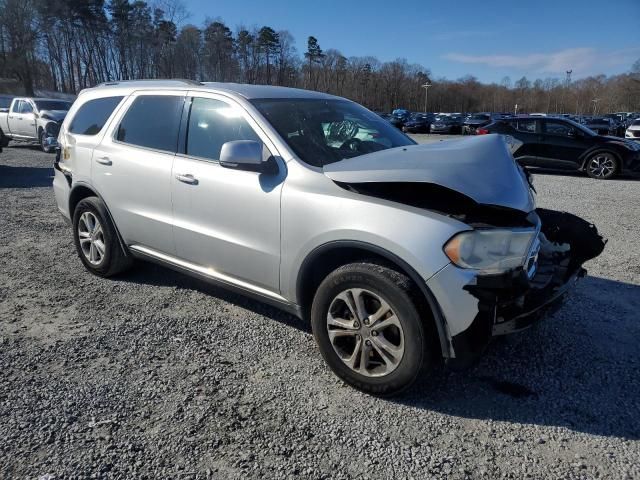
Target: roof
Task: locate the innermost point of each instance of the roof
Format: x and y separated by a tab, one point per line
267	91
244	90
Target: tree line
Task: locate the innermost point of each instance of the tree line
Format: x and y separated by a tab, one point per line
68	45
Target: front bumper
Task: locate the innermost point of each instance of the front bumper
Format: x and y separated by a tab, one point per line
479	307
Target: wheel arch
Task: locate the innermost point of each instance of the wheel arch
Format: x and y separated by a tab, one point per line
329	256
81	191
603	148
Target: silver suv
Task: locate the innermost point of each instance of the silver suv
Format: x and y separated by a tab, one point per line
399	254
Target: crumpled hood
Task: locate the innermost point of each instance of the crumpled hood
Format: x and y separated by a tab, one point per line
479	167
55	115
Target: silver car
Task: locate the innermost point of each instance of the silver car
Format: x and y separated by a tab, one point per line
398	254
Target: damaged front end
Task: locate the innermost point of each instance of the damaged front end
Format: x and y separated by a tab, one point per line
511	265
514	300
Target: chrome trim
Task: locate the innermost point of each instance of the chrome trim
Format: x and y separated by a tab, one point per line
207	272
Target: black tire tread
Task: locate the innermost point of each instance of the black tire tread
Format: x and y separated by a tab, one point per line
387	278
118	260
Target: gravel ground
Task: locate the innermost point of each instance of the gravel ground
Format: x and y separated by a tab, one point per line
156	375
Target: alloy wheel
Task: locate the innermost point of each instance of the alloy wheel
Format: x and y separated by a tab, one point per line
365	332
602	165
91	238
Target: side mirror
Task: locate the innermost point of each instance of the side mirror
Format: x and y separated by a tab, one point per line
242	155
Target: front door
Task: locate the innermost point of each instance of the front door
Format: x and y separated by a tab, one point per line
563	144
22	120
226	221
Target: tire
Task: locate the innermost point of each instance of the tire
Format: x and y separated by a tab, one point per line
4	140
41	139
412	346
602	165
105	261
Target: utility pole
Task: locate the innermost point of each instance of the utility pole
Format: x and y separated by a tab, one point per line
426	95
567	83
595	104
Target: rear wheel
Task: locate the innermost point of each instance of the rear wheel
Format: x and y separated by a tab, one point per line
368	326
96	239
602	165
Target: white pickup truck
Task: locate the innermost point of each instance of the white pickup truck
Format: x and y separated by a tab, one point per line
32	120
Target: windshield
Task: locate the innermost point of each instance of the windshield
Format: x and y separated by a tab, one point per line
52	105
326	131
479	117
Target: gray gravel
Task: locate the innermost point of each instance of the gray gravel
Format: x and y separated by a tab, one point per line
156	375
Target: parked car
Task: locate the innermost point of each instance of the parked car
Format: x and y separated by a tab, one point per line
600	125
32	120
447	124
397	253
419	123
617	124
562	143
633	131
472	122
399	118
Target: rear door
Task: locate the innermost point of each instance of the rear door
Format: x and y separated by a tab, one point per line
527	130
227	221
131	168
563	144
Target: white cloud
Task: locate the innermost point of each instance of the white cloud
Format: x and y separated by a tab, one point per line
583	61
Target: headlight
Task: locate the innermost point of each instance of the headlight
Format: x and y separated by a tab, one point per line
490	250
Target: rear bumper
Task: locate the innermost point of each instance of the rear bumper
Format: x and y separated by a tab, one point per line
62	189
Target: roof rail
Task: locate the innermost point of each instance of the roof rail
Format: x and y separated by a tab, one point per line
182	81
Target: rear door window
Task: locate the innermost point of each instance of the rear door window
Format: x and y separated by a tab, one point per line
152	121
527	125
92	115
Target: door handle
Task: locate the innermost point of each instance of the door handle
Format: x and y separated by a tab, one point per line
187	178
104	160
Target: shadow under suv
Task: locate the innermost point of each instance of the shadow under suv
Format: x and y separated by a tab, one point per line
398	253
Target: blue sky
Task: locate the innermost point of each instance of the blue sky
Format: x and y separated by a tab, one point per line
488	39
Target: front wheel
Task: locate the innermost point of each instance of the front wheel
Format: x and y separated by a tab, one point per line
367	323
602	165
43	144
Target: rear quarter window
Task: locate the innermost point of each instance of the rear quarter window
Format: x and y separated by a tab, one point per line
152	121
91	116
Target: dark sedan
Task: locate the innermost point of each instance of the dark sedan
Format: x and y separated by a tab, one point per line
562	143
475	121
419	123
399	119
445	124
